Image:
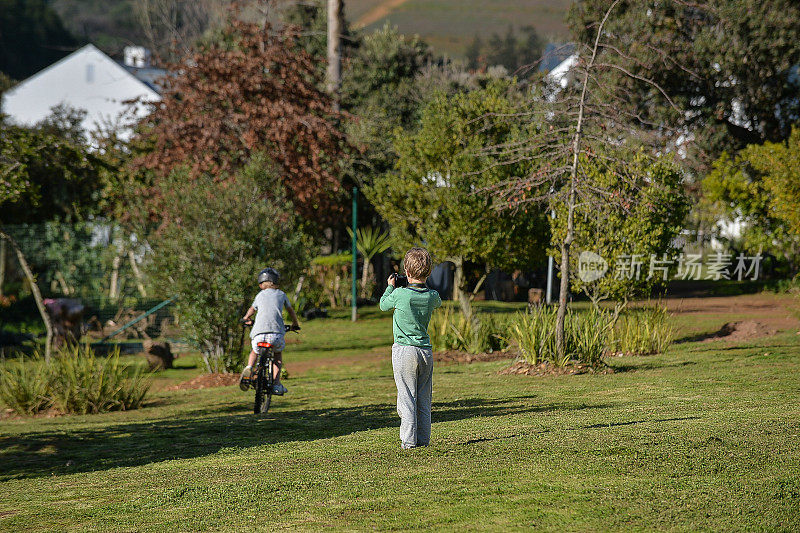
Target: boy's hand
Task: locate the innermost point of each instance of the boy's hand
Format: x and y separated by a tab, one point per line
391	279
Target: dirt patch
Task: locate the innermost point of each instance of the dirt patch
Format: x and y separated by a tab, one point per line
521	368
750	303
744	317
742	331
378	12
454	356
207	381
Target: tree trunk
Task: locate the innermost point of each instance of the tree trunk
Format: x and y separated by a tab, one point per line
137	274
561	315
365	276
2	264
113	289
335	25
298	288
576	150
460	289
37	296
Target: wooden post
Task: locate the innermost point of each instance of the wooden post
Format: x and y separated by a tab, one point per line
335	24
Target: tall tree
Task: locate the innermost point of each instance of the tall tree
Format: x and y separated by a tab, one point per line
174	26
45	176
512	51
731	65
437	197
382	91
760	186
250	90
636	237
222	234
589	120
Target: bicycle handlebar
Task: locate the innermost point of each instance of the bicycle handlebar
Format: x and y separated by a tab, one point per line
244	322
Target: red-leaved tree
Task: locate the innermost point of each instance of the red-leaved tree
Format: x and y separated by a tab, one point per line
252	90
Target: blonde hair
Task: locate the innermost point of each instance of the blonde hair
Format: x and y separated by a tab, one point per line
418	263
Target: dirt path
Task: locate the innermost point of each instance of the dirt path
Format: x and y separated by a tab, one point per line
739	318
371	357
378	12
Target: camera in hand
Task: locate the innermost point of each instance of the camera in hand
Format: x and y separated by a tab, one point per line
400	281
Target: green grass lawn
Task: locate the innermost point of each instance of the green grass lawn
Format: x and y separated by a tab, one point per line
704	437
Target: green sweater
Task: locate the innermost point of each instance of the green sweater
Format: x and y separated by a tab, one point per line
412	313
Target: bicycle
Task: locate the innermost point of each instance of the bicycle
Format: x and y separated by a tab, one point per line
263	379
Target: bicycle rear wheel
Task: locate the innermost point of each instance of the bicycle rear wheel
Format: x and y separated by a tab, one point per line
263	389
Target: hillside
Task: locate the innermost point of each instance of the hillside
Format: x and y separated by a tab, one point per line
450	25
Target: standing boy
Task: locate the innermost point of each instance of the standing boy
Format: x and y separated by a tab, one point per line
268	326
412	354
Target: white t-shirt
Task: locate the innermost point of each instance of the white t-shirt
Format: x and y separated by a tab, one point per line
269	304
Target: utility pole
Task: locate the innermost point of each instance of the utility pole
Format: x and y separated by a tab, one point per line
355	255
549	296
335	25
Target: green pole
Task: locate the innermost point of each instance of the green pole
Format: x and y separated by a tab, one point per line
355	250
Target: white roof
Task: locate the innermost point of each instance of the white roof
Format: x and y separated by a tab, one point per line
86	79
560	74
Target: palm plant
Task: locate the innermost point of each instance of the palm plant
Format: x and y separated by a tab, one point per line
370	242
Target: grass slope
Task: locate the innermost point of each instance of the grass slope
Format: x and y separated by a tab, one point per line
703	437
450	25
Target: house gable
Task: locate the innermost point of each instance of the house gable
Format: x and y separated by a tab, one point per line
86	79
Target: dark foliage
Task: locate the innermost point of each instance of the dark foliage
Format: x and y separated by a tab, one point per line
32	36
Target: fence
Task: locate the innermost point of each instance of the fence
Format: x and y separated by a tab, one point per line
93	263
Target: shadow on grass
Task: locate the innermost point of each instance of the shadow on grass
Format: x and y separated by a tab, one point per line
111	446
698	337
623	367
579	428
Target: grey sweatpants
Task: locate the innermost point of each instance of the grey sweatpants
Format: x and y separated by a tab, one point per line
413	374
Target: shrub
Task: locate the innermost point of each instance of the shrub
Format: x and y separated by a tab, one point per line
534	335
586	336
216	238
76	381
329	280
83	383
643	331
787	286
25	387
451	330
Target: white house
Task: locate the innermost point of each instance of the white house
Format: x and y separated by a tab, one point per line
90	80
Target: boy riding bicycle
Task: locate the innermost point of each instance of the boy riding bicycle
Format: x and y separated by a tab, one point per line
268	326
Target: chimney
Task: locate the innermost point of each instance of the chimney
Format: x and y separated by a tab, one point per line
136	56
